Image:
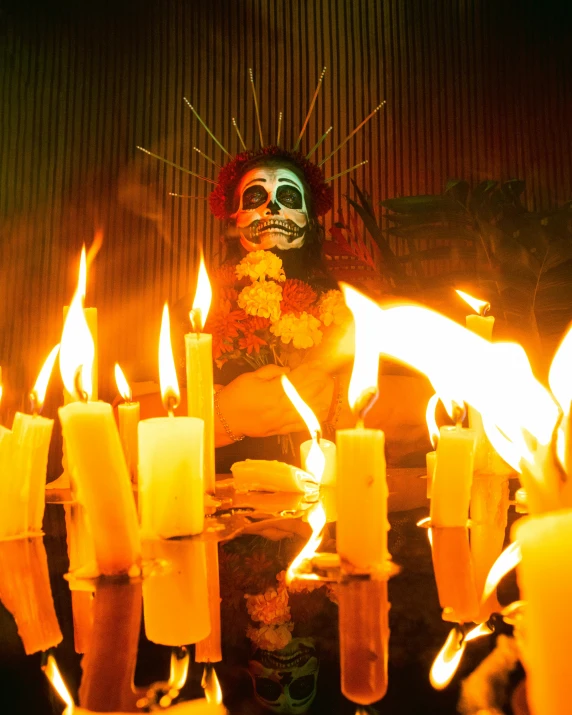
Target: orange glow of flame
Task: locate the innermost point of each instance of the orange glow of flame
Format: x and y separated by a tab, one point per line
39	389
366	360
203	298
560	381
430	419
122	384
55	677
316	460
447	661
317	520
167	373
506	562
479	306
77	350
179	669
1	387
211	686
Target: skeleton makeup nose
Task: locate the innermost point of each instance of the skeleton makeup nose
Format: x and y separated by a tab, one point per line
273	207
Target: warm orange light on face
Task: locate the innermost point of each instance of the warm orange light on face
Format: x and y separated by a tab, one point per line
366	359
479	306
211	686
77	350
122	384
447	661
167	373
506	562
55	677
203	299
39	389
317	520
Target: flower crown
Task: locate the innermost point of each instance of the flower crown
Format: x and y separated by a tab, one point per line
222	196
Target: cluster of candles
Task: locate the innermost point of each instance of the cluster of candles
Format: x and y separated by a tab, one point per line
172	460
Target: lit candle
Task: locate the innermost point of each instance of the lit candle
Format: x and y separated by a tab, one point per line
171	488
26	593
199	363
128	413
431	457
318	455
546	587
451	490
31	436
176	601
98	467
481	324
208	650
361	485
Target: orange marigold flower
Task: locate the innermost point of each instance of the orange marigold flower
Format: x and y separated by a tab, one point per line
223	324
225	275
297	296
251	343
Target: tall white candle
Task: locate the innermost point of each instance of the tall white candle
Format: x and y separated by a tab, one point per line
199	369
171	486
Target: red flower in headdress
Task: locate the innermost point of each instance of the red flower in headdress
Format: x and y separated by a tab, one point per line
221	198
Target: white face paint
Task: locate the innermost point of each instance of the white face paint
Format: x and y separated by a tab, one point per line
272	211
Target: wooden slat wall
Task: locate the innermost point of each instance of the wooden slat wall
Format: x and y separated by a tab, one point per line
474	88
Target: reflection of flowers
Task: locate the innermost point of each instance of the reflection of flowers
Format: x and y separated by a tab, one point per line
270	607
271	637
258	265
332	308
261	299
303	330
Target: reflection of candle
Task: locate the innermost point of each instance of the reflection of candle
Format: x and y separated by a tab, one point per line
454	573
489	509
364	640
175	601
171	492
109	663
362	485
209	650
25	591
199	363
128	413
94	449
29	446
546	587
451	490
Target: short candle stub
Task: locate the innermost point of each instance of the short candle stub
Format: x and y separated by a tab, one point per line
365	402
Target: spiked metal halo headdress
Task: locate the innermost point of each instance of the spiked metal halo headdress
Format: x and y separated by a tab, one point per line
221	198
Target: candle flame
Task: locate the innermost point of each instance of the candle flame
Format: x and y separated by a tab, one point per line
316	461
447	661
122	385
431	421
479	306
482	629
77	350
426	523
560	381
506	562
317	520
167	373
39	389
305	412
203	298
363	383
211	685
55	677
179	669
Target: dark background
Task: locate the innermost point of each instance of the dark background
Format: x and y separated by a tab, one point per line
475	89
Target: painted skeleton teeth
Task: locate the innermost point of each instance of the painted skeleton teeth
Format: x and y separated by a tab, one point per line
282	226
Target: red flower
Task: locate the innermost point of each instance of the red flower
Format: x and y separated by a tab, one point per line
223	324
251	342
297	296
225	275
